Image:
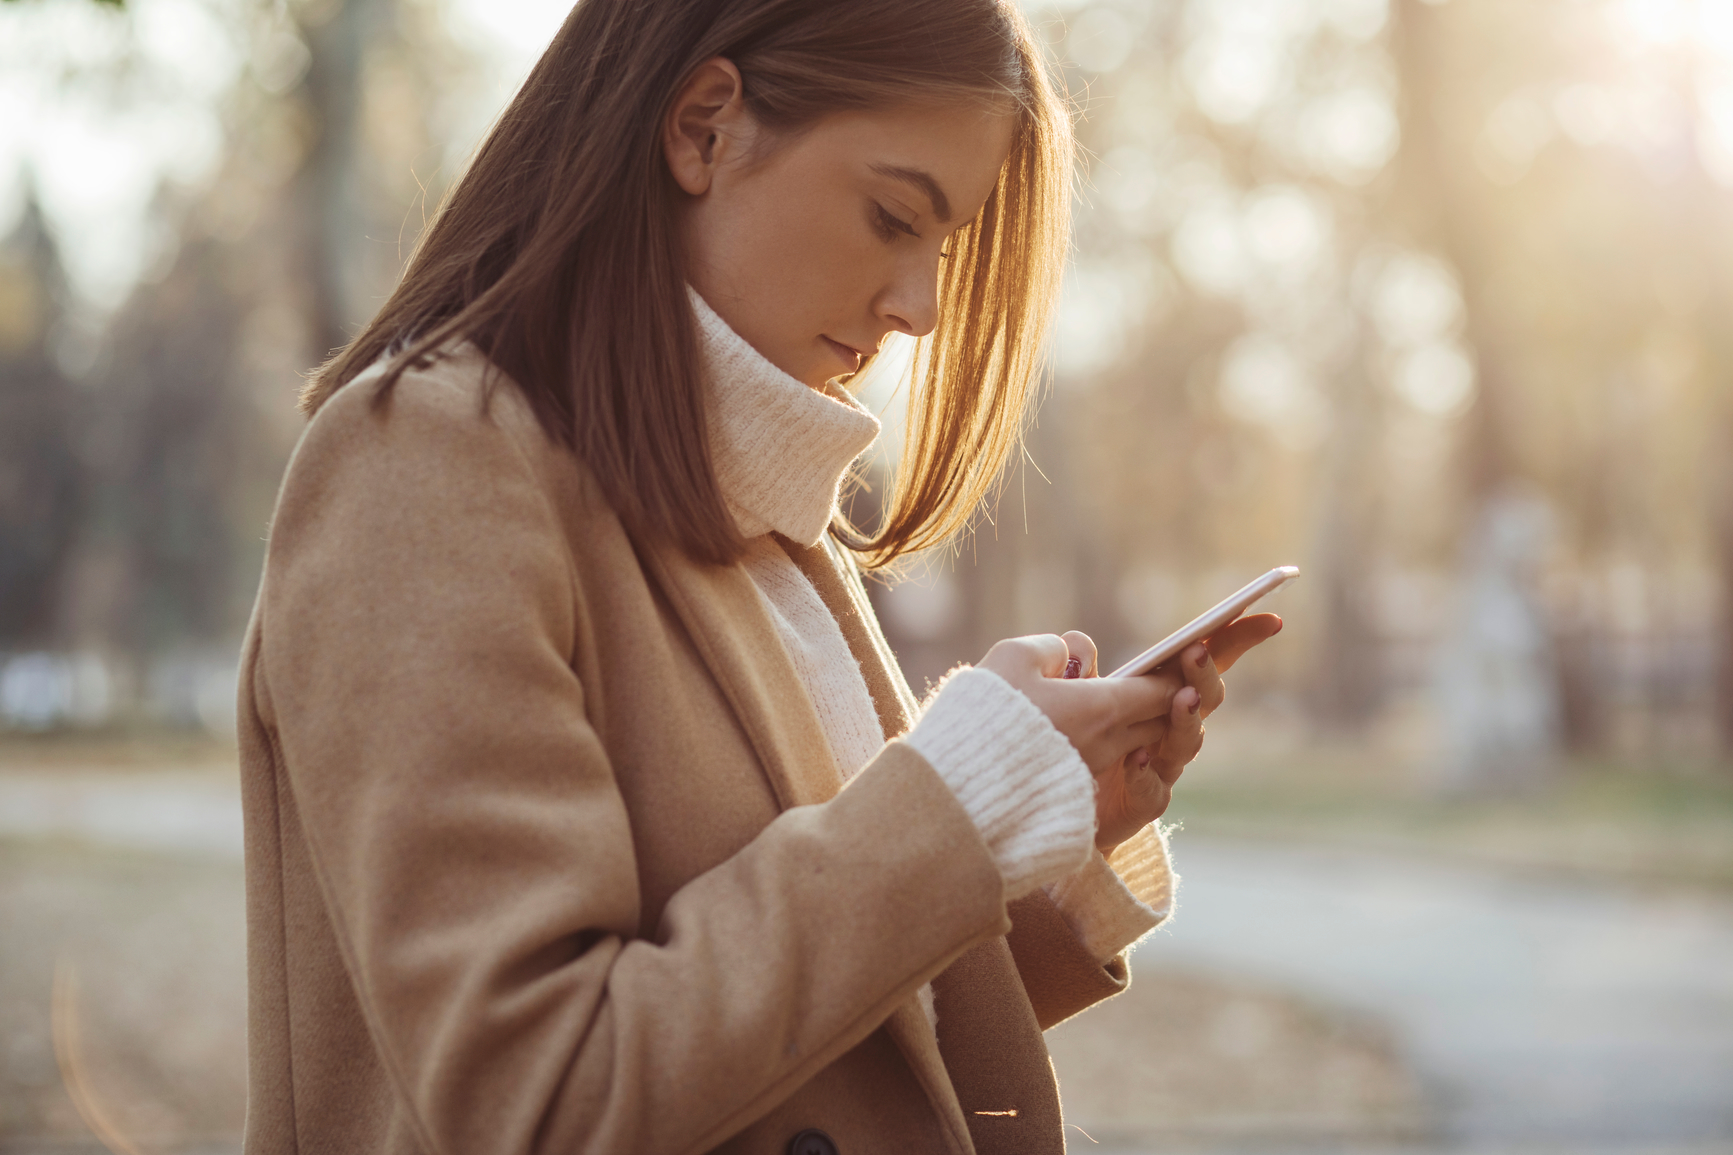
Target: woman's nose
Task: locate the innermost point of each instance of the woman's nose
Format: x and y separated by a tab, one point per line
910	304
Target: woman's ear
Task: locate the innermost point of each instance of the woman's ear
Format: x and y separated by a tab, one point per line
708	114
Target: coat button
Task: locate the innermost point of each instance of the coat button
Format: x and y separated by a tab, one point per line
811	1142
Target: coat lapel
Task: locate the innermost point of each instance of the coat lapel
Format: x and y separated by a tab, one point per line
913	1035
833	574
732	631
726	618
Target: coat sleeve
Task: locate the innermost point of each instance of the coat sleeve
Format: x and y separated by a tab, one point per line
1060	975
1070	947
472	846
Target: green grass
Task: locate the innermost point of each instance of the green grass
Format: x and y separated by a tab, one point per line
114	748
1666	824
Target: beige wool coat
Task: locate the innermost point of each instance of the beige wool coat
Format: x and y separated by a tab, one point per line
546	850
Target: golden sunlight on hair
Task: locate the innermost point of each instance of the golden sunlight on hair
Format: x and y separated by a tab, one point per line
973	378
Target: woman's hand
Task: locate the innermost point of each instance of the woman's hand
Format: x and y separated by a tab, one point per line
1136	790
1106	719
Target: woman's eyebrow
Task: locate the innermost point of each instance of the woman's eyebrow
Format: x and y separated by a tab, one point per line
923	181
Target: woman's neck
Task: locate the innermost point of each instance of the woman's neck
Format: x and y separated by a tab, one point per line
779	448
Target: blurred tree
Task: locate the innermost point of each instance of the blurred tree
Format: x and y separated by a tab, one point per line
41	488
375	109
1227	416
1702	239
331	188
1498	685
1350	275
166	434
1570	186
188	417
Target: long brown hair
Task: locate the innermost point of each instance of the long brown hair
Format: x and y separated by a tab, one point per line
557	252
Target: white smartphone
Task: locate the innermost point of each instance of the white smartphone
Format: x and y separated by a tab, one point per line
1206	624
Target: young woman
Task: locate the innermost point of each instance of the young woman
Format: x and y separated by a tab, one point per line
586	809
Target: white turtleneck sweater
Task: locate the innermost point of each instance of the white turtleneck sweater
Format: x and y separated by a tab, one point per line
780	449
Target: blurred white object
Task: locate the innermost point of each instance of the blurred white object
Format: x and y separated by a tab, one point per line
40	690
1497	685
192	689
35	691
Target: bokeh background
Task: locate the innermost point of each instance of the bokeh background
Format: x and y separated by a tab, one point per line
1434	300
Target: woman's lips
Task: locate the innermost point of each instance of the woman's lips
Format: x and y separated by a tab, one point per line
848	354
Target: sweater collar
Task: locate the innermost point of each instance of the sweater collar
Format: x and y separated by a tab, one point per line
779	448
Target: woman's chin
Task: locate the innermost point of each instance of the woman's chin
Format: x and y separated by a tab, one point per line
820	375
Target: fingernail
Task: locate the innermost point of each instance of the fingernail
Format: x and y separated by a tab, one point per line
1195	703
1143	758
1074	668
1202	658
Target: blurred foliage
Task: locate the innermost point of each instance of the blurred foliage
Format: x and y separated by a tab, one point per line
1351	277
41	490
277	160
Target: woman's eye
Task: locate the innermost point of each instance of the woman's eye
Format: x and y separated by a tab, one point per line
889	226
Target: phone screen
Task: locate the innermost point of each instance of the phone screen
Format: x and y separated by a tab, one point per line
1202	626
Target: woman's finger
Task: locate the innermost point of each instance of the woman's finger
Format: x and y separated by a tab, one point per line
1200	673
1228	644
1051	653
1082	653
1151	733
1184	735
1147	697
1042	654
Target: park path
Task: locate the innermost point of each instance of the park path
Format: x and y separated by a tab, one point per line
1546	1012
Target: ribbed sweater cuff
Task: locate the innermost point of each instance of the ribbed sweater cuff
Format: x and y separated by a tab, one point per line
1021	780
1113	902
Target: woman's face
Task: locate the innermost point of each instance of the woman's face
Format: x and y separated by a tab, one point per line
815	247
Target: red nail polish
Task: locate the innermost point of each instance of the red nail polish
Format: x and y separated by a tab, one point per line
1074	668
